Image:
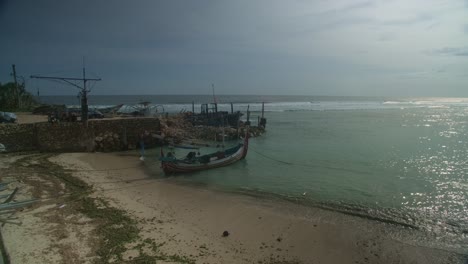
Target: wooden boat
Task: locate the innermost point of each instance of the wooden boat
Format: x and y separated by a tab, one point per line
191	163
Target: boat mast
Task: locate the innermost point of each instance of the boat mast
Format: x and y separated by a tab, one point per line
214	97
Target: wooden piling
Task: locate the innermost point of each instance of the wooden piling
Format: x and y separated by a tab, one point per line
263	109
248	115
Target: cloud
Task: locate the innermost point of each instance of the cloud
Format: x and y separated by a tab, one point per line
452	51
331	18
342	22
348	8
250	44
388	36
408	21
414	75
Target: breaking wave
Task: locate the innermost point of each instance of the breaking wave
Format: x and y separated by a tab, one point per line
178	103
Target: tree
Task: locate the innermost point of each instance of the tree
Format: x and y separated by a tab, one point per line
9	97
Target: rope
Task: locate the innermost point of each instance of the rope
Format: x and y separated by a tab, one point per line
308	165
282	161
277	160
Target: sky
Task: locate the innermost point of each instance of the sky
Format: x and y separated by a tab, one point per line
270	47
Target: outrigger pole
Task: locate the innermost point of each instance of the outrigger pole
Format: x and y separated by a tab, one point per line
84	91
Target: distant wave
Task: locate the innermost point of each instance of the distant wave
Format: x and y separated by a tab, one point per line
431	102
274	107
297	106
394	102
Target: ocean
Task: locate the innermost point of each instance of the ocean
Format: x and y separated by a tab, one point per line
402	161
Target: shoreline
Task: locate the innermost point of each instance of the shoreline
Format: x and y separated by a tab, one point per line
422	230
286	214
188	221
417	236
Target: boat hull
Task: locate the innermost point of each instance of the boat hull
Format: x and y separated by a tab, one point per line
170	167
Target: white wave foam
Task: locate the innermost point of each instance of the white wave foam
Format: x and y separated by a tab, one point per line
307	106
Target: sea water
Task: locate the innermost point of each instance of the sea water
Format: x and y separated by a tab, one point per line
398	160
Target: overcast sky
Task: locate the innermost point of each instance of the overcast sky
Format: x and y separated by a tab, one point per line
314	47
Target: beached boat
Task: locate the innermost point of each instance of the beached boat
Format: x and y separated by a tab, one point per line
191	162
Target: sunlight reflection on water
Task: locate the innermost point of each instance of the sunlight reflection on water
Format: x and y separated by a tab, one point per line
442	164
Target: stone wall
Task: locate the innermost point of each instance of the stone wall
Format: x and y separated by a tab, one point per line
18	137
64	137
119	134
100	135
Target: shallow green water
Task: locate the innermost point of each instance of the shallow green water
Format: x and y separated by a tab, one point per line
405	166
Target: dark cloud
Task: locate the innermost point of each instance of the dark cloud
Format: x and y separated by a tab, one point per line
452	51
2	6
182	46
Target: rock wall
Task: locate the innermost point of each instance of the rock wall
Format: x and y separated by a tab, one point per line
64	137
100	135
18	137
120	134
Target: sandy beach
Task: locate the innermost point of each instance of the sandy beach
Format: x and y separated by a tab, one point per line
27	118
182	224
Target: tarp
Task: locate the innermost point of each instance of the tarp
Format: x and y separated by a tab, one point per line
7	117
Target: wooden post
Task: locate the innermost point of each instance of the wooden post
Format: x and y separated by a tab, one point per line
84	107
248	116
193	107
124	138
262	122
84	101
13	66
263	108
232	108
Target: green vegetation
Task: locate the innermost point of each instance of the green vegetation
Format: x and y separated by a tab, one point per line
14	98
115	229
